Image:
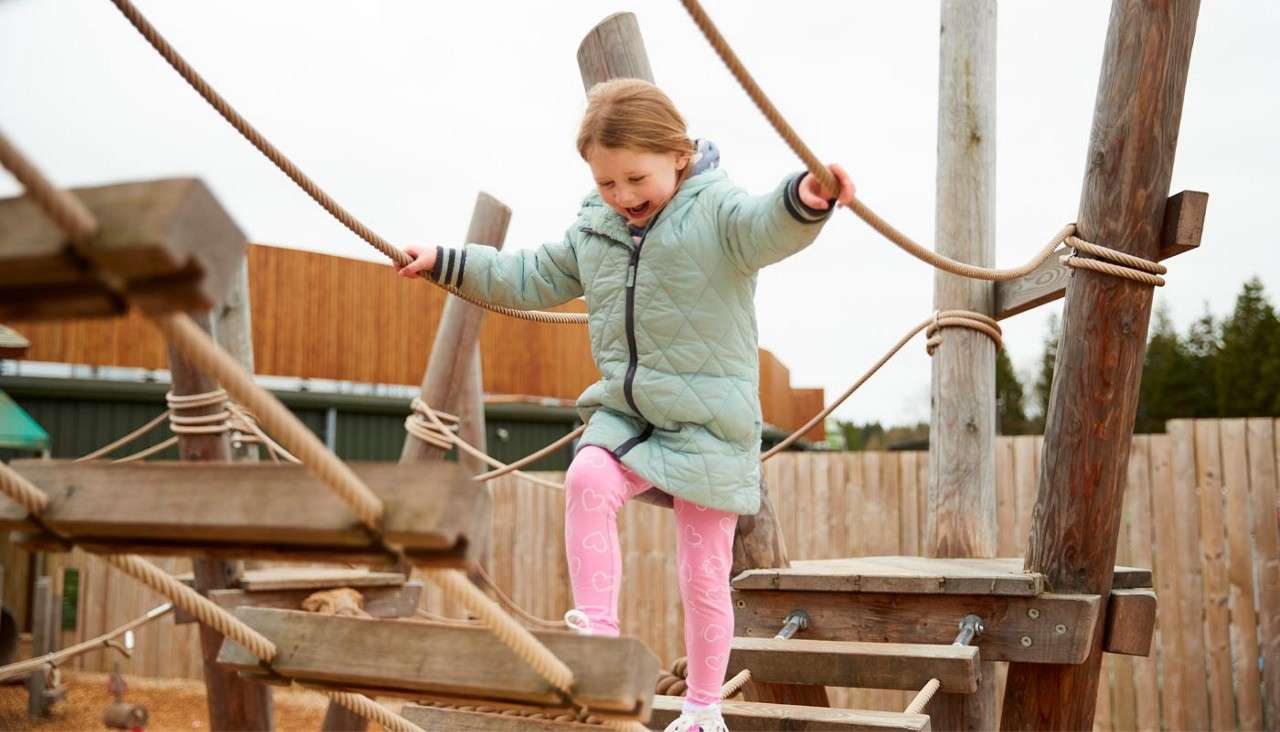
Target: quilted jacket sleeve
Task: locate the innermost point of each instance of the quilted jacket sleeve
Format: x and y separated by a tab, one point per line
525	279
756	231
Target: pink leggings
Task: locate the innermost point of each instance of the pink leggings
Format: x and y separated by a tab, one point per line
596	486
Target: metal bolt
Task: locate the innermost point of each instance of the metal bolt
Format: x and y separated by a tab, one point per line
742	603
1026	641
1060	628
1033	613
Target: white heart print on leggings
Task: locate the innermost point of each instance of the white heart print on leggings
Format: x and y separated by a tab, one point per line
596	542
713	633
575	566
691	536
592	501
601	581
727	525
717	662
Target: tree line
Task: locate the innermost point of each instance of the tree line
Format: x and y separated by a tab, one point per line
1217	368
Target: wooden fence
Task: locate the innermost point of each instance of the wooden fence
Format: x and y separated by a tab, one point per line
1201	510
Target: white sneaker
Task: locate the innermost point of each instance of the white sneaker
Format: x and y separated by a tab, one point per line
707	719
578	622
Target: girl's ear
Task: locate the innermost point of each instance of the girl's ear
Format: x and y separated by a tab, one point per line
682	160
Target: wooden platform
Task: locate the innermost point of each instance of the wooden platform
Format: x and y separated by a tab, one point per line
915	575
615	676
386	594
759	717
244	510
855	664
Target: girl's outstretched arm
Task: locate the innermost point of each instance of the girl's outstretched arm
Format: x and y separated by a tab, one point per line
525	279
757	231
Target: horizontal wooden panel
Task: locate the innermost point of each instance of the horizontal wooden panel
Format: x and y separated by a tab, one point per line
761	717
255	507
1018	628
856	664
453	720
613	675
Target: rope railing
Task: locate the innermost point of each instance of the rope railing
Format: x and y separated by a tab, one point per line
106	640
426	424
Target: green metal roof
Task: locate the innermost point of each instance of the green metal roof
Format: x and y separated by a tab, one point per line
17	429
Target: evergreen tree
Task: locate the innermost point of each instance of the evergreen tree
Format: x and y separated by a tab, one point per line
1166	391
1247	364
1044	379
1198	377
1011	416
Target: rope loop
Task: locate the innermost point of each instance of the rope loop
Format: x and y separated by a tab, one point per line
984	324
1112	261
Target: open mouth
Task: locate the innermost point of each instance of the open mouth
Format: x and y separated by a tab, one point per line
639	212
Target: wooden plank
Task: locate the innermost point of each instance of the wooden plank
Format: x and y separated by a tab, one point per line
315	578
1131	620
765	717
1138	508
1264	500
254	509
1217	621
1244	617
1027	471
400	601
856	664
1190	583
614	676
1181	231
168	242
454	720
1167	561
905	618
917	575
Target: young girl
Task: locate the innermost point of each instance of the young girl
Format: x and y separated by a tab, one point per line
665	254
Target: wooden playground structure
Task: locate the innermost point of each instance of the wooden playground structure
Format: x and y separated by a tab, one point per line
933	624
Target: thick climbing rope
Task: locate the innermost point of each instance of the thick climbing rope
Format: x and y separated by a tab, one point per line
974	321
425	424
367	708
828	183
287	166
534	456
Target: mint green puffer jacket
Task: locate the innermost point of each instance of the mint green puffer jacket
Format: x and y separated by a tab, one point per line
672	324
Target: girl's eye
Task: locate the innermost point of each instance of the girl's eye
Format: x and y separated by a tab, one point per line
636	179
607	184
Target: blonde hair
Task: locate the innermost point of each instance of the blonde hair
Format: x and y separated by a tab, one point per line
632	114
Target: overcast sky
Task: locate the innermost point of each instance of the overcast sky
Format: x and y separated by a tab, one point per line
403	111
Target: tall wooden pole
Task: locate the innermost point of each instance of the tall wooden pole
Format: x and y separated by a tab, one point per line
961	516
1094	396
234	704
614	49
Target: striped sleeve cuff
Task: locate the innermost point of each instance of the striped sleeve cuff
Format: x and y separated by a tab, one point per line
797	208
450	264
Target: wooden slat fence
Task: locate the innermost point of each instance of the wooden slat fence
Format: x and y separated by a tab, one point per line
1201	509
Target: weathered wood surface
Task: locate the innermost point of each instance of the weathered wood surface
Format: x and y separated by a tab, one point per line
453	720
898	618
1089	426
916	575
315	578
254	509
1131	622
400	601
857	664
765	717
233	703
613	49
1181	232
168	242
614	675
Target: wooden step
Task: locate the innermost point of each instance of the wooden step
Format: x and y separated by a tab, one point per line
243	510
915	575
855	664
455	720
760	717
432	660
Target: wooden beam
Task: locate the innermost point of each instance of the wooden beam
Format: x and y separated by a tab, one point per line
168	243
454	720
1089	426
400	601
856	664
763	717
1131	622
1017	628
614	675
234	704
1180	232
246	509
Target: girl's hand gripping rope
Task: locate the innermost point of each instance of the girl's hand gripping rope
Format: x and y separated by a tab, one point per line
424	259
812	195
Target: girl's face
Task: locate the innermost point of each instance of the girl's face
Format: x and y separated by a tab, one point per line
636	183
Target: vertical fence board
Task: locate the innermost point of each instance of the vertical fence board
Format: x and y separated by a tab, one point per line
1167	569
1263	449
1138	510
1214	566
1186	510
1243	615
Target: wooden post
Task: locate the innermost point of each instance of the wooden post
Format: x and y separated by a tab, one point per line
233	331
234	704
1088	431
614	49
42	634
452	380
961	517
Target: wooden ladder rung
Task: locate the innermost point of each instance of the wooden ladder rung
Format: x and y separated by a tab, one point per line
859	665
761	717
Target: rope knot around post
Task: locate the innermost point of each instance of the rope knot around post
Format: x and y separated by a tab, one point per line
432	426
1111	261
969	319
